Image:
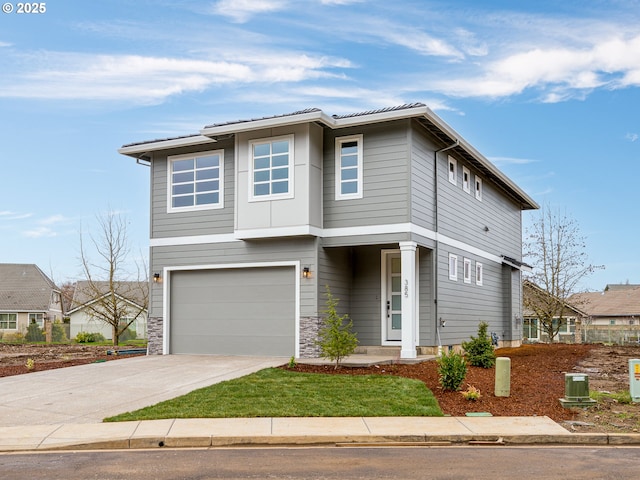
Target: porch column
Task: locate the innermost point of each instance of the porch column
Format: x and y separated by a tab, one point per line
408	266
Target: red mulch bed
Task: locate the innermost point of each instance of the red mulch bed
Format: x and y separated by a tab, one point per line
537	381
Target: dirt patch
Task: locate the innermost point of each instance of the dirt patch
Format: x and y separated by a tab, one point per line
14	357
537	384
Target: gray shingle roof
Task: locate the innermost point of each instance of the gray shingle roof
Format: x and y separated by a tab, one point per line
621	301
24	287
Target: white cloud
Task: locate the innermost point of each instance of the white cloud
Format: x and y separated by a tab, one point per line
511	161
40	232
5	44
241	11
9	215
632	137
149	80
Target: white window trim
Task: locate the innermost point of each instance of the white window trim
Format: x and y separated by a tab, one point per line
291	166
466	180
210	206
479	274
478	188
17	320
452	175
338	167
453	267
466	270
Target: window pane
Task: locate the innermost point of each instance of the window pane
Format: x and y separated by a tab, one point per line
396	321
280	147
349	174
395	284
207	186
349	187
261	189
350	161
183	177
280	161
349	148
395	265
204	162
183	189
180	165
261	163
207	198
261	176
280	174
396	302
261	149
183	201
208	174
280	187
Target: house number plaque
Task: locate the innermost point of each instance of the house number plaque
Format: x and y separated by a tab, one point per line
406	289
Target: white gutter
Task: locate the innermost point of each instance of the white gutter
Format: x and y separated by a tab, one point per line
134	150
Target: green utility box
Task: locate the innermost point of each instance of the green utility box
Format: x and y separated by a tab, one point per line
576	391
634	379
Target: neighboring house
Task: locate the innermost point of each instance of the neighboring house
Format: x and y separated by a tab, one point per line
131	300
613	314
416	233
27	295
572	318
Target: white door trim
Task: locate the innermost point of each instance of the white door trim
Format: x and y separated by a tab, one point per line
384	259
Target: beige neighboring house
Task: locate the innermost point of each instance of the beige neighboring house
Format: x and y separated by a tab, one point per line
26	295
613	314
132	294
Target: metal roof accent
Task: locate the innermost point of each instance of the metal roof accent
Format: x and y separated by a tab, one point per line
406	106
292	114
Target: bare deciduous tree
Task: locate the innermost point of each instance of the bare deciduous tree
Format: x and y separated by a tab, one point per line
111	296
556	250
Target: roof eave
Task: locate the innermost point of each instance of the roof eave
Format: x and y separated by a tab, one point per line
281	121
137	150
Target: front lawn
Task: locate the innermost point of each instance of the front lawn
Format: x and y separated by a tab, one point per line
275	392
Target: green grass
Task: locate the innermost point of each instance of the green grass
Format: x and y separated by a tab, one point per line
620	397
279	393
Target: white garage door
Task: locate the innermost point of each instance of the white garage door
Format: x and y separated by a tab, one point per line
243	311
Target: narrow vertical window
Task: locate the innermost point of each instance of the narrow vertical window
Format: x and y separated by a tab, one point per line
349	167
478	188
479	274
271	163
466	180
453	171
466	270
453	267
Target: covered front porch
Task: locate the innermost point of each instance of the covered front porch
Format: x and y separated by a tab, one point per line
387	290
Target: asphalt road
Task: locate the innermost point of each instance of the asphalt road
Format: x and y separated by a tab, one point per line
408	463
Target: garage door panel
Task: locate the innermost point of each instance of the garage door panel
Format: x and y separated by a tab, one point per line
233	311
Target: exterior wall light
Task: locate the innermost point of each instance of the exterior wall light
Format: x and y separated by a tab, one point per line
156	278
306	273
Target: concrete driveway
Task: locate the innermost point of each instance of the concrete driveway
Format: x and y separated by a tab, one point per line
89	393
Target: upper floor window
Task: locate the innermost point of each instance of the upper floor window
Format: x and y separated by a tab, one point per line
8	321
466	180
196	181
453	171
479	274
467	270
349	167
478	188
271	168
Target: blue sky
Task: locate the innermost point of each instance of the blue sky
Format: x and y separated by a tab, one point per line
549	91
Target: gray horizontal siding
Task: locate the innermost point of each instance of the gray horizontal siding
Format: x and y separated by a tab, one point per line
464	218
425	281
300	249
203	222
422	183
385	178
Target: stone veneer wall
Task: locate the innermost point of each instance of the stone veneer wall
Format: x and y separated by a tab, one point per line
154	336
309	327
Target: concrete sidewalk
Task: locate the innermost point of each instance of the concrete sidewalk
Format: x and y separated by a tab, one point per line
219	432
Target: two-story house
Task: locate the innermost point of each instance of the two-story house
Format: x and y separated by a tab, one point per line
415	232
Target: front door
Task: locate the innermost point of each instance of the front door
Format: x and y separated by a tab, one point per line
394	298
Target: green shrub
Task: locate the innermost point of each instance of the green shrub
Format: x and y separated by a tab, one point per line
452	368
13	337
89	337
479	350
58	335
127	335
336	339
34	333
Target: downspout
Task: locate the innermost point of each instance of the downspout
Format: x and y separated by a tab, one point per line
439	322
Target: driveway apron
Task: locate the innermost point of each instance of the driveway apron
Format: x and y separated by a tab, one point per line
89	393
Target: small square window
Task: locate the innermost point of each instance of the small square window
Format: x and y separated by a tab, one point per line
466	264
453	267
453	171
466	180
479	274
478	188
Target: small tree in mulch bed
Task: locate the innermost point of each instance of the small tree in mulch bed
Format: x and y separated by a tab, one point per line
452	368
479	350
336	338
